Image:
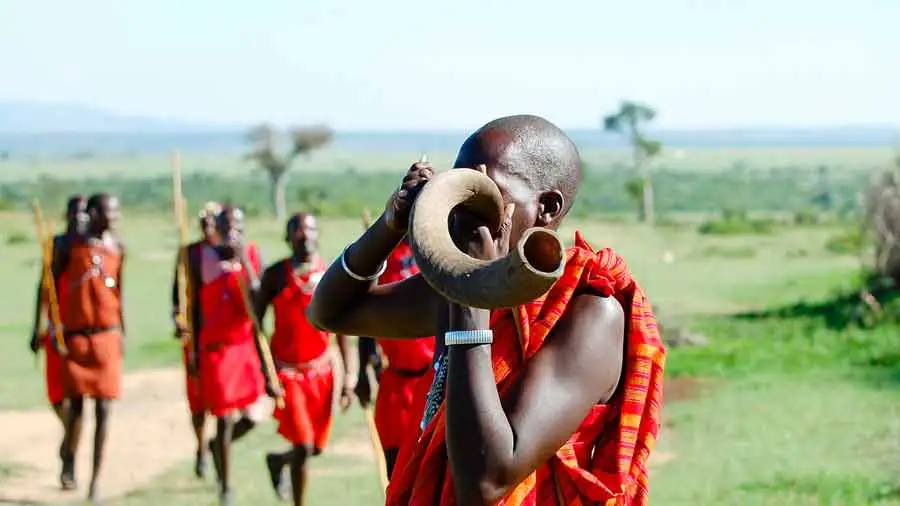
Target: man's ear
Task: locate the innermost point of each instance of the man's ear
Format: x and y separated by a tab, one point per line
550	206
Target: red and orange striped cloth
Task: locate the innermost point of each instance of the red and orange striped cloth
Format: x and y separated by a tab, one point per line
605	460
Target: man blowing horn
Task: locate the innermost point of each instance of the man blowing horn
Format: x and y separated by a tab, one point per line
552	401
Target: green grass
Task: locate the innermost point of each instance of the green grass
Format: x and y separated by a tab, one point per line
341	478
801	409
333	160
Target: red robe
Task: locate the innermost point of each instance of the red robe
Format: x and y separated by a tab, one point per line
398	408
231	375
92	323
301	356
194	251
605	460
53	360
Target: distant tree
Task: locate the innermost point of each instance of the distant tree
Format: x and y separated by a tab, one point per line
628	120
303	141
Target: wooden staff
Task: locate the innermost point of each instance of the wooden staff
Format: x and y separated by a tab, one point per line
261	340
45	238
376	447
370	417
184	318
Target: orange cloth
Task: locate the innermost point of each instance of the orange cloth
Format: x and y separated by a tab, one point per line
604	462
301	355
230	369
91	320
53	367
397	409
307	414
53	363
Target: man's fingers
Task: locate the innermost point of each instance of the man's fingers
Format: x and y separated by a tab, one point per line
508	212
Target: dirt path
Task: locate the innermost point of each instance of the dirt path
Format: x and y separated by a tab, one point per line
149	425
152	419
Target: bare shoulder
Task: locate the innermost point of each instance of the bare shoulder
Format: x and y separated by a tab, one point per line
119	246
589	339
274	276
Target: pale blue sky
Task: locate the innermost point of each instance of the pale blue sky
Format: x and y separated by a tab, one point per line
455	64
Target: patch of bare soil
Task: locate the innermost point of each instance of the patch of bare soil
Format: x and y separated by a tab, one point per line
149	432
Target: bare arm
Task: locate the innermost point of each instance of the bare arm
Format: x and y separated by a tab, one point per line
119	276
176	299
494	444
344	305
345	358
268	290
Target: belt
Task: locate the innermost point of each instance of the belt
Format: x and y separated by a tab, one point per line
315	363
88	332
406	373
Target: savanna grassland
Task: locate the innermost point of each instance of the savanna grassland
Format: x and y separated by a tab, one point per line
792	402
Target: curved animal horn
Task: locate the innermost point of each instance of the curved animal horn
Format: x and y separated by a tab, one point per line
526	273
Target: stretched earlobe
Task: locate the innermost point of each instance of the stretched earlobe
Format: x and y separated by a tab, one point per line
550	206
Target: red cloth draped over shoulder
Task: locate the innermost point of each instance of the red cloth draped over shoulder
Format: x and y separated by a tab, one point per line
301	355
193	390
231	372
53	363
605	460
295	340
91	320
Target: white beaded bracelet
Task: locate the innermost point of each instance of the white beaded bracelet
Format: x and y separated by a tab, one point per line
356	276
455	337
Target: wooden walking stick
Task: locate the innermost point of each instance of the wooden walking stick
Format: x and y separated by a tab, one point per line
184	318
376	447
370	417
261	340
45	238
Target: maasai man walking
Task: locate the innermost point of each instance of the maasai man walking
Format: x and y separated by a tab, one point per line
400	401
76	220
231	373
94	326
194	254
554	401
300	351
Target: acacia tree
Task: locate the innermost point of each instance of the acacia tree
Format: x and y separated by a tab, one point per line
303	141
628	120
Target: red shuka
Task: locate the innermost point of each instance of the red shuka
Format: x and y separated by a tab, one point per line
53	363
231	375
193	390
91	320
398	409
301	355
605	460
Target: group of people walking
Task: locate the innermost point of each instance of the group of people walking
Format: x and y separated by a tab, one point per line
554	401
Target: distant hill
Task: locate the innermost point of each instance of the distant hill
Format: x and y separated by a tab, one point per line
62	129
31	118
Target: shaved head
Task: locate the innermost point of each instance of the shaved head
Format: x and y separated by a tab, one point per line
528	148
302	234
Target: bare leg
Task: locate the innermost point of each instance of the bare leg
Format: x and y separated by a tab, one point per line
222	450
71	437
198	421
241	428
298	473
59	410
390	458
101	408
276	463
